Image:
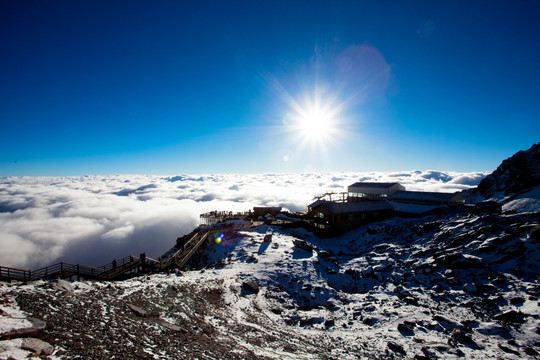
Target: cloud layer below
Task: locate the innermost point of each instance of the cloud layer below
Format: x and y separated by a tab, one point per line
94	219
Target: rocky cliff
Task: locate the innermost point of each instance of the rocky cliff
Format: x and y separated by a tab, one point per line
517	174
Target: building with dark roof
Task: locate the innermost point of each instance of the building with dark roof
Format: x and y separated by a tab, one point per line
370	201
343	216
428	198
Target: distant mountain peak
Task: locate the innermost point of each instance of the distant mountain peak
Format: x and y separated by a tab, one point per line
518	173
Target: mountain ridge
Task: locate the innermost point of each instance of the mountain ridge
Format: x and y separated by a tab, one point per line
516	174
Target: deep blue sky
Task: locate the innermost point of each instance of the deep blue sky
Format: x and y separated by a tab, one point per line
166	87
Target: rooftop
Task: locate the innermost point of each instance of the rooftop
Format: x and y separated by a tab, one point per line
374	184
423	195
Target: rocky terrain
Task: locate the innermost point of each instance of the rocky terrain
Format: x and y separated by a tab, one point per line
439	287
461	285
517	174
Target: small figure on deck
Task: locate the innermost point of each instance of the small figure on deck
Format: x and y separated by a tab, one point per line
180	243
143	257
114	264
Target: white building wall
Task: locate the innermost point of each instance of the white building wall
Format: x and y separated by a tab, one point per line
372	191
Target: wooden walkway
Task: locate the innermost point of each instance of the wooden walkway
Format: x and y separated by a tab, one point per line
109	271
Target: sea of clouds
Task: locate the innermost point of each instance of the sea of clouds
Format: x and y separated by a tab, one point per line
94	219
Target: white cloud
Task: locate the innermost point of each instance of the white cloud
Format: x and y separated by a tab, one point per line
93	219
118	233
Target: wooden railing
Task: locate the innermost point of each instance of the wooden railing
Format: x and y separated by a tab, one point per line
110	271
18	274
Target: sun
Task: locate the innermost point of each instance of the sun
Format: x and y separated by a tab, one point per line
314	122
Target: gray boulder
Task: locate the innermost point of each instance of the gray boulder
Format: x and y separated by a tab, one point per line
62	285
301	244
37	346
251	286
34	329
137	310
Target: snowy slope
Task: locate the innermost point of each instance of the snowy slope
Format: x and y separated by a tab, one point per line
525	202
453	286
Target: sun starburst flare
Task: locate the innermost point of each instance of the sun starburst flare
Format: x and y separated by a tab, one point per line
314	123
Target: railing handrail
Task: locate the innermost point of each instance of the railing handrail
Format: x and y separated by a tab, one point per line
107	271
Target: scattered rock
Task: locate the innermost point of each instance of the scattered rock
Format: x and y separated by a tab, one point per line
29	327
446	322
462	336
301	244
329	322
405	329
470	287
62	285
381	267
251	286
410	300
323	254
137	310
467	261
511	316
396	278
367	271
370	321
37	346
351	272
378	275
517	301
395	347
402	292
487	288
369	308
506	349
173	327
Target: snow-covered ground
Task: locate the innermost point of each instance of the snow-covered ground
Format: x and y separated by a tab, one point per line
452	286
527	202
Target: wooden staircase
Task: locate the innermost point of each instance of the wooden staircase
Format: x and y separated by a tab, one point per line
111	271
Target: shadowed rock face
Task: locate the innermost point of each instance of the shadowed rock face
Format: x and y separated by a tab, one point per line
515	174
28	327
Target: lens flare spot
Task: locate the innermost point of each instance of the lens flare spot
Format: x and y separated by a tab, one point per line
219	239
